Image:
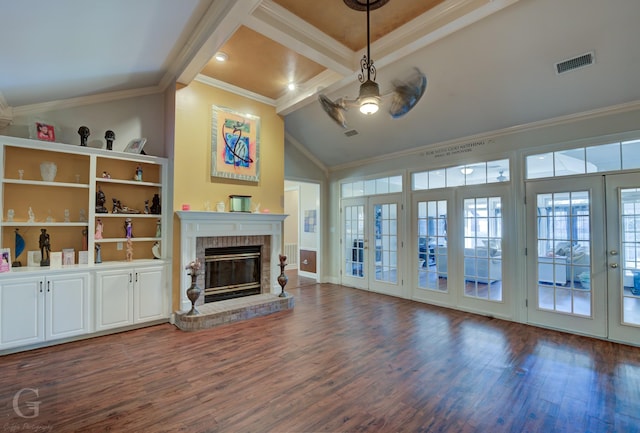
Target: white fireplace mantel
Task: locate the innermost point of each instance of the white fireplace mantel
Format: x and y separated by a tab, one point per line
197	224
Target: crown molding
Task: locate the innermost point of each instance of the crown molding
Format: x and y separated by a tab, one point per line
85	100
492	135
282	26
233	89
217	25
295	143
306	92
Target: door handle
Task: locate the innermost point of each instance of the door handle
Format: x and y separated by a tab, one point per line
613	265
613	252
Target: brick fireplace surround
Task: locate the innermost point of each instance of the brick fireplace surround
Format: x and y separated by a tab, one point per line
200	230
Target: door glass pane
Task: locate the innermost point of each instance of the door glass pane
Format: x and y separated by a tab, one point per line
483	248
386	243
354	240
630	246
432	245
563	233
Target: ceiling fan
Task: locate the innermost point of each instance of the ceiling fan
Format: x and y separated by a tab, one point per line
404	96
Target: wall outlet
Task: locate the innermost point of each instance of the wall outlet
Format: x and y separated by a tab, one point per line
119	246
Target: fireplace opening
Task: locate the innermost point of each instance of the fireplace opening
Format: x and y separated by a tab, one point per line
231	272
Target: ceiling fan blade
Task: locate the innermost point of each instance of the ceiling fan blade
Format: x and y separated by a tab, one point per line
406	94
335	110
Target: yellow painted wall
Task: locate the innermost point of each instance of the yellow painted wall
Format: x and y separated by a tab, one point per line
193	183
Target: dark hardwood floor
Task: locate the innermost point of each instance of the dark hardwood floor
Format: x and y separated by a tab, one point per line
343	360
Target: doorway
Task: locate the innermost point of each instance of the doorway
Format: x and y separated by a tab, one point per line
372	233
302	229
583	255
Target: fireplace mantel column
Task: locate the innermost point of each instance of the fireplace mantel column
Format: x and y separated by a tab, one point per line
196	224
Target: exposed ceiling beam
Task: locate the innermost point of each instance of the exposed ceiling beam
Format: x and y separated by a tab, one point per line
218	24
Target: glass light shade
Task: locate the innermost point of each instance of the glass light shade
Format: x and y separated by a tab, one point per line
369	106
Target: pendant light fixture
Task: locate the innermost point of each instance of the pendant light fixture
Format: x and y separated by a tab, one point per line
405	94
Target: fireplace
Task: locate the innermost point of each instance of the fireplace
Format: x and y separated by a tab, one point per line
231	272
201	231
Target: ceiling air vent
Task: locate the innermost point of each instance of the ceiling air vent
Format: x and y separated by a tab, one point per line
575	63
351	133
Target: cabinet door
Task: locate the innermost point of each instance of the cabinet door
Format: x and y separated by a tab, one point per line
67	305
114	299
21	312
150	294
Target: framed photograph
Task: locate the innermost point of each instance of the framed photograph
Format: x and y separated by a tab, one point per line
68	257
310	221
235	145
135	146
44	131
55	259
33	258
5	260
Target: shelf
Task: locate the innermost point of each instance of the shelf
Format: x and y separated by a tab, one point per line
44	223
43	183
111	240
127	182
128	215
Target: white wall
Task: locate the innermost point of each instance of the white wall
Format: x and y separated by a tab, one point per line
130	118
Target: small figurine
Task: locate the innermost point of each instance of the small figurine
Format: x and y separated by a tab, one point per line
83	216
118	207
20	174
49	217
98	254
158	229
32	216
155	204
106	175
128	228
84	133
66	216
99	228
10	214
146	206
138	175
45	247
100	199
110	136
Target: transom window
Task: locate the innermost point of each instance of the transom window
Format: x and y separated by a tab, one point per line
380	185
469	174
623	155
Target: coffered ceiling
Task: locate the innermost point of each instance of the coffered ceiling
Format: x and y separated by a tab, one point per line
490	64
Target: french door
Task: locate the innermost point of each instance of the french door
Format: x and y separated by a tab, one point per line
623	256
584	255
371	243
462	249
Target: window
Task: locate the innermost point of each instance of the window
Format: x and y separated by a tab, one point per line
468	174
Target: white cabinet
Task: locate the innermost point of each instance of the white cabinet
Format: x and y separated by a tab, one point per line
42	308
86	206
130	296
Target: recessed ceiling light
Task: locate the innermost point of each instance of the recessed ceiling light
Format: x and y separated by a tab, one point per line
221	57
291	86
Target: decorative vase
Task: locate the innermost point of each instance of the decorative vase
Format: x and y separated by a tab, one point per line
193	293
48	171
282	278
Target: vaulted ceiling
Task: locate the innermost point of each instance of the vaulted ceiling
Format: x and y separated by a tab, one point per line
490	64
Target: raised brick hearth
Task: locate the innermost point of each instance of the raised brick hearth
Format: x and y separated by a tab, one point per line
201	230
